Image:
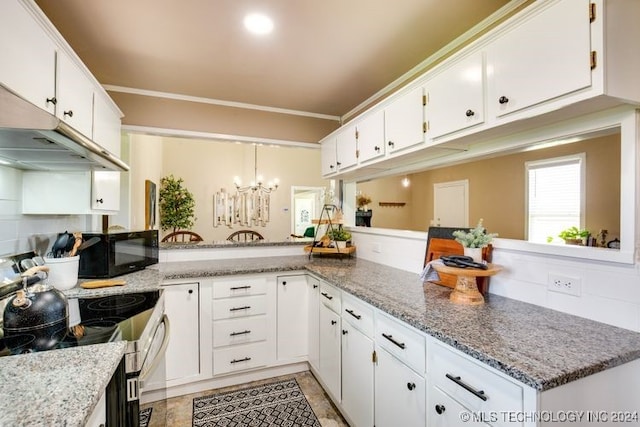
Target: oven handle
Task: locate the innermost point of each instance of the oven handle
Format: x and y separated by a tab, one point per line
163	348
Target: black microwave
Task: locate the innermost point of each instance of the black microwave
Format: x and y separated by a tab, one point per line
118	253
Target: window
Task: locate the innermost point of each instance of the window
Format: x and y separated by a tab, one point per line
555	196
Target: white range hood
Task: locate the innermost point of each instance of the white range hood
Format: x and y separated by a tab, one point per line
34	139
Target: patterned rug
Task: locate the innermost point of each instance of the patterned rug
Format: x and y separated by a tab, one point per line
280	403
145	417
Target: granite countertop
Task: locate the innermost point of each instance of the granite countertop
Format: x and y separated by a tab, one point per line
56	388
228	244
540	347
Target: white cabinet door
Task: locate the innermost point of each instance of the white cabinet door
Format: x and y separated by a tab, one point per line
404	121
400	394
357	376
74	92
328	156
543	58
105	191
371	136
330	350
106	125
28	56
314	322
346	148
443	411
183	352
292	317
455	97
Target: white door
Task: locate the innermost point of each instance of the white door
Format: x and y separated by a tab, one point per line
292	317
357	376
451	204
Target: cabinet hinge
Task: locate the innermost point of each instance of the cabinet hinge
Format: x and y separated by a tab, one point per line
374	357
594	59
357	154
425	126
357	134
592	12
425	98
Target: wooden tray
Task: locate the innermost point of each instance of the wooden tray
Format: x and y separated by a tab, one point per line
321	250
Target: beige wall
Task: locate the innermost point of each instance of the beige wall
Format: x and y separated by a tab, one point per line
208	166
389	190
496	188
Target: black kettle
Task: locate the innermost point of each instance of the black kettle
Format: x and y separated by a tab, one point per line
36	318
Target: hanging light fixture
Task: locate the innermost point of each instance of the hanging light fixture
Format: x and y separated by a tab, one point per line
249	206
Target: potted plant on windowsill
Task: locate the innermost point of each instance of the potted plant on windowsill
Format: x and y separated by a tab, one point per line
340	236
474	240
574	235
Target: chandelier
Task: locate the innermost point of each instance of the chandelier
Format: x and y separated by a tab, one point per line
249	206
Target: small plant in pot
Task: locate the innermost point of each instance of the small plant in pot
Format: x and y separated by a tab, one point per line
474	240
340	236
574	236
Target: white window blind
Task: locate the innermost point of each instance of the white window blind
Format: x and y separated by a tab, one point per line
555	196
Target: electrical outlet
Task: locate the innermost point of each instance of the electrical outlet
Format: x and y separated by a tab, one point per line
564	284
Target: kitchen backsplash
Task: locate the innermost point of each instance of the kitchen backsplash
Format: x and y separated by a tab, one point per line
606	292
21	233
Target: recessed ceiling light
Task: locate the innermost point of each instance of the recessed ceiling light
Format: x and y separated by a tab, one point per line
258	23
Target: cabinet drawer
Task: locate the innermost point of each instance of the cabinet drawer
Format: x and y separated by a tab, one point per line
239	331
443	411
331	297
358	314
239	307
471	383
239	358
241	286
401	341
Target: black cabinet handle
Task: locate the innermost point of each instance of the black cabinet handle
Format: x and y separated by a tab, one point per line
330	166
440	409
52	100
478	393
99	201
338	163
411	386
326	295
284	283
377	149
68	113
391	144
246	359
469	113
357	316
390	338
345	332
333	322
190	291
315	286
234	334
503	100
237	288
246	307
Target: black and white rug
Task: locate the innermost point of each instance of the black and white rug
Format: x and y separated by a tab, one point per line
145	417
280	403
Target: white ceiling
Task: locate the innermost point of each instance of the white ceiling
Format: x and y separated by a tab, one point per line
324	56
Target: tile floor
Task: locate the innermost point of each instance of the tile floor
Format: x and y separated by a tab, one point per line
179	410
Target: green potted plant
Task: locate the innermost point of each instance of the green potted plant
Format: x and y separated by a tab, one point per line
340	236
574	236
177	205
474	240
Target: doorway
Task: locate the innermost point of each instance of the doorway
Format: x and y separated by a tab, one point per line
451	204
306	203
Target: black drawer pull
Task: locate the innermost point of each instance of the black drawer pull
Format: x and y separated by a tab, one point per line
411	386
234	334
246	359
503	100
326	295
237	288
246	307
440	409
315	286
469	113
357	316
345	332
478	393
333	322
390	338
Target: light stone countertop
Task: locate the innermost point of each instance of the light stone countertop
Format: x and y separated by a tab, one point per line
58	387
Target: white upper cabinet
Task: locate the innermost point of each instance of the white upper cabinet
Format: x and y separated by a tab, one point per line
106	124
328	156
455	97
346	148
546	56
28	56
370	132
74	92
404	121
105	191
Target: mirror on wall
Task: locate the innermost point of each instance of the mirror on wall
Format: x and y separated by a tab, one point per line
495	189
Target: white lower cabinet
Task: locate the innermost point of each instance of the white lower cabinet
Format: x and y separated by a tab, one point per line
400	393
313	322
292	316
181	307
357	376
330	351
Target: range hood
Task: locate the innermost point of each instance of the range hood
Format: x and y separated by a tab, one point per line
34	139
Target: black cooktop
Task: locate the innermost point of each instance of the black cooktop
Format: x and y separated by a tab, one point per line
92	320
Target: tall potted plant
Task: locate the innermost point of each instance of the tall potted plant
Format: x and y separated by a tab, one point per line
177	205
474	240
